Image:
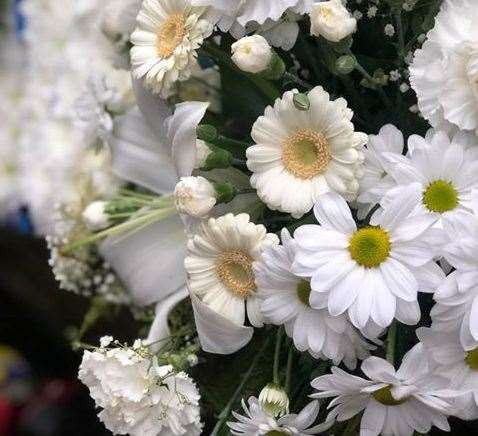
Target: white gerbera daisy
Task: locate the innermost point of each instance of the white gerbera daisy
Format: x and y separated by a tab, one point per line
458	365
257	421
286	302
394	402
375	272
445	173
165	41
219	264
444	73
376	181
300	155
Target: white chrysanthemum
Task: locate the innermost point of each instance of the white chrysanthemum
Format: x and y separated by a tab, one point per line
393	402
219	264
300	155
445	173
376	181
257	421
286	302
195	196
139	397
458	365
444	73
375	272
165	41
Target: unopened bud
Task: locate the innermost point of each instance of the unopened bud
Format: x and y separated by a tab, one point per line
345	64
225	192
274	400
206	132
301	102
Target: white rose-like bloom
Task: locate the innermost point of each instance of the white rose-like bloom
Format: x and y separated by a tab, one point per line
94	216
300	155
219	264
165	41
394	403
194	196
332	20
139	397
444	72
252	54
286	301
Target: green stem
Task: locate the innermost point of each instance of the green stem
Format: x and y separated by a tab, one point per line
293	78
275	370
227	410
229	144
290	361
351	429
136	223
391	343
401	36
267	88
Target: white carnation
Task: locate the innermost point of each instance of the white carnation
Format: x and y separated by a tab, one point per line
195	196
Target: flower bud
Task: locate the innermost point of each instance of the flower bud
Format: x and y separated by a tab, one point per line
206	132
252	54
202	154
274	400
345	64
301	102
194	196
332	20
95	216
225	192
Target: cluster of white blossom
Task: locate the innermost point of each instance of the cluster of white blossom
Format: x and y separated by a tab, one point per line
137	395
367	223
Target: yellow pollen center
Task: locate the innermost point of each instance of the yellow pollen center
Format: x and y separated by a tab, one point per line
471	359
369	246
170	35
384	396
440	196
303	291
306	154
234	269
276	433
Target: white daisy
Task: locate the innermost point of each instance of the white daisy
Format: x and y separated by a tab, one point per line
165	41
457	296
219	265
376	181
395	403
458	365
257	421
300	155
444	73
285	299
375	272
445	172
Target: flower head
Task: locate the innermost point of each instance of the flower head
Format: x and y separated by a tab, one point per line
300	155
195	196
374	272
252	54
165	41
332	20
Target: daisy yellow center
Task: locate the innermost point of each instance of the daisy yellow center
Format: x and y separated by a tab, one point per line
369	246
171	34
303	291
440	196
384	396
306	154
276	433
234	269
472	359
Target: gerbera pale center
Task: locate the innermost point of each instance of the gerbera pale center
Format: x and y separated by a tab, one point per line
472	359
234	269
440	196
171	34
303	291
369	246
306	154
384	396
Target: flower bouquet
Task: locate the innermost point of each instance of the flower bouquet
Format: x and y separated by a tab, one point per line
289	221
